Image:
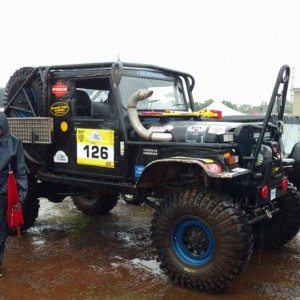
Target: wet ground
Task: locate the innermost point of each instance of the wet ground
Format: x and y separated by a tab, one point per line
67	255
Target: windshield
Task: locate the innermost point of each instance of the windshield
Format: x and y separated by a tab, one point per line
167	94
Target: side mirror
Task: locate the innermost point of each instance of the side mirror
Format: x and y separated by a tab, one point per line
99	109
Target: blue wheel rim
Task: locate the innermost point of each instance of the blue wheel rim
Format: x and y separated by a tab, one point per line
193	241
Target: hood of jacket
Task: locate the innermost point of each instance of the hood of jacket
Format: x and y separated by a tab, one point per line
4	128
6	145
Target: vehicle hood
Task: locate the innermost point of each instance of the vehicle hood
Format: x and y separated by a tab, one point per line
195	131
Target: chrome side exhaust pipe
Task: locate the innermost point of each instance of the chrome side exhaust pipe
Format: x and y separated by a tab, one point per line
137	125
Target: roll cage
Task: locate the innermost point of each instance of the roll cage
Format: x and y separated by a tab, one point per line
113	69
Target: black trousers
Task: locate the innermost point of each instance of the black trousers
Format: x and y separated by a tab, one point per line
3	225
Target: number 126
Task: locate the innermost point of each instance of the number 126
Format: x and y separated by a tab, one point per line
96	152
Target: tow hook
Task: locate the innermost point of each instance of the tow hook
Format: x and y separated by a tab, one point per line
268	213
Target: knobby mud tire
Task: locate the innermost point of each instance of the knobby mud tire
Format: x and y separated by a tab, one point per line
232	234
284	226
35	87
98	204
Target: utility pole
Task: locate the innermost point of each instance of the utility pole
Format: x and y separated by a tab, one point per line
292	84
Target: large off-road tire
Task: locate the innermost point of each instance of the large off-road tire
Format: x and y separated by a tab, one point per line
275	233
131	199
30	207
201	241
97	203
33	89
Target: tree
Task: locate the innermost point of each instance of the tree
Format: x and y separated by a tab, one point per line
230	104
201	105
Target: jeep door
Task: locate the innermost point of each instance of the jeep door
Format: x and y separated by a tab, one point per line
86	145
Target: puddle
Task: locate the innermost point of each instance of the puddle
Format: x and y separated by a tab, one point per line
151	266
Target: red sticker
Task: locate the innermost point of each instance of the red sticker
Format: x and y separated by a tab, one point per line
59	89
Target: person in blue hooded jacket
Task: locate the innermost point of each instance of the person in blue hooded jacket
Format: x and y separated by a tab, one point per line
11	153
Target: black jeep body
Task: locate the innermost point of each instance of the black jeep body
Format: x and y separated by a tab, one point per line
132	128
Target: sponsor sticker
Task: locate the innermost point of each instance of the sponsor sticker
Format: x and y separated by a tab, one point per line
138	170
216	129
213	168
60	157
64	126
151	74
95	147
153	152
122	148
59	109
195	134
59	89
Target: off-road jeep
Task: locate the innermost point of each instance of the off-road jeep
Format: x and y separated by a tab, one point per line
96	130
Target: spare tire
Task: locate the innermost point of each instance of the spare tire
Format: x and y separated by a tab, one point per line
33	91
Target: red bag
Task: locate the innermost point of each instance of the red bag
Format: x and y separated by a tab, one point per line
14	218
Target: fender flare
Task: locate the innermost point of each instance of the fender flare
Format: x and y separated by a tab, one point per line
210	167
180	160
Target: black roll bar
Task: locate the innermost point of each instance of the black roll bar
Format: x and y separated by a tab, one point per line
282	78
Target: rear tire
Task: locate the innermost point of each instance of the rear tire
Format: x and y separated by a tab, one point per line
34	91
283	226
201	241
97	203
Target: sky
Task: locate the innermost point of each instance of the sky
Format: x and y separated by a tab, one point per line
233	48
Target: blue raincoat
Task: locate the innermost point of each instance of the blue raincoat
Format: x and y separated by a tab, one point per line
11	152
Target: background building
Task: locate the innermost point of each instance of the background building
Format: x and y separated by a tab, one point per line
296	104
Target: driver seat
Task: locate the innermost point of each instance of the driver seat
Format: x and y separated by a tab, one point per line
82	104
